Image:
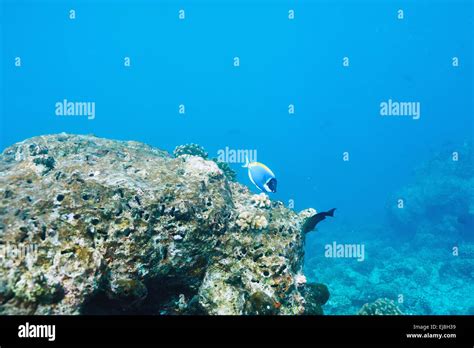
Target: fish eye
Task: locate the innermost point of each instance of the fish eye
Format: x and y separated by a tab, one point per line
272	184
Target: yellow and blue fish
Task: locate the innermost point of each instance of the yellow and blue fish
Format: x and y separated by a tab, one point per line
261	176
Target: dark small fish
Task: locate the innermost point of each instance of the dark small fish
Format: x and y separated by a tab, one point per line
311	222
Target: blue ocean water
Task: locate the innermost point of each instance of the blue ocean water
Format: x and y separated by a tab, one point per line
334	63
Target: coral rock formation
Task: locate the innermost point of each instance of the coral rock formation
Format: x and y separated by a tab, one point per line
382	306
121	227
316	295
441	200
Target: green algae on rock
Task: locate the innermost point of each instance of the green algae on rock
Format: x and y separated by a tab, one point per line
121	227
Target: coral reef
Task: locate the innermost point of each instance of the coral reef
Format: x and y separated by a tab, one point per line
440	199
199	151
431	280
261	200
121	227
190	149
300	280
260	303
226	169
382	306
421	255
316	295
249	221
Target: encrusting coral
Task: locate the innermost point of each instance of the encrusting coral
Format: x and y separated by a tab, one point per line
121	227
253	218
300	280
199	151
248	221
226	169
190	149
261	200
382	306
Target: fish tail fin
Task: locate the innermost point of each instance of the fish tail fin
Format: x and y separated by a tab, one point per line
246	165
330	212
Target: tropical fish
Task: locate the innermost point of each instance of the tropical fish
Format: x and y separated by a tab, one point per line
312	221
261	176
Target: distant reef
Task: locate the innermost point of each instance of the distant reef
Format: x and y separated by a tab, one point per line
440	201
421	258
97	226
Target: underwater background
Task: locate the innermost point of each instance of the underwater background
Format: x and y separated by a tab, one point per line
305	93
